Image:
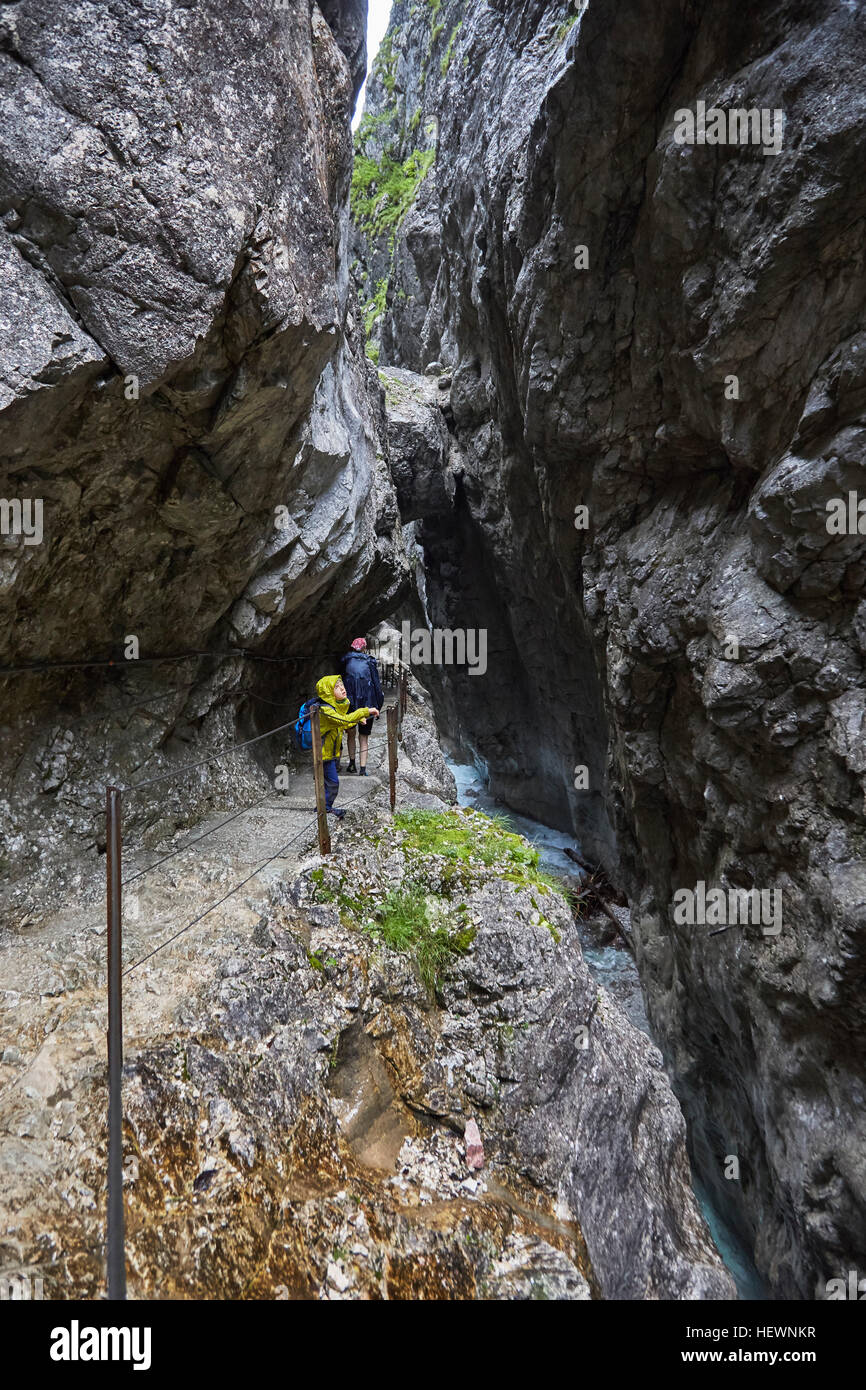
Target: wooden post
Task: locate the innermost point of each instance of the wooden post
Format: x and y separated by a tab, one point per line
319	776
392	754
116	1258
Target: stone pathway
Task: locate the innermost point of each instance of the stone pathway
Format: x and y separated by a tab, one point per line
53	1013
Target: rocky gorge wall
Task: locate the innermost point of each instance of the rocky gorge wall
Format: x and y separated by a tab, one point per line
301	1086
183	391
670	335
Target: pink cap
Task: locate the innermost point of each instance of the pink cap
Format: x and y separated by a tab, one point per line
359	644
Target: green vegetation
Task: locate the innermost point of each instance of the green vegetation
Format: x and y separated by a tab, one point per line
403	923
421	912
383	193
567	25
449	52
385	65
408	920
369	123
373	311
383	190
467	838
385	184
396	392
375	307
401	918
437	27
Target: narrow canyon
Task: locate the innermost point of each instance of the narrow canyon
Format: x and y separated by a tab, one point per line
552	342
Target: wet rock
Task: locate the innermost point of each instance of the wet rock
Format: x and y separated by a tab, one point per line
419	445
308	1130
693	646
532	1269
181	387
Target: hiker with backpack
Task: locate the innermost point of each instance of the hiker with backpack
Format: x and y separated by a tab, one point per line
332	704
363	687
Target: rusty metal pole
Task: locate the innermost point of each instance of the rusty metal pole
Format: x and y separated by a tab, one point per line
116	1260
392	754
319	775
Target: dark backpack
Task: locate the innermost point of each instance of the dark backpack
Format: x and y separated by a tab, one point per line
361	679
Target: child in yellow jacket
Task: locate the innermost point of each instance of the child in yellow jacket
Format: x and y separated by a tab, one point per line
335	717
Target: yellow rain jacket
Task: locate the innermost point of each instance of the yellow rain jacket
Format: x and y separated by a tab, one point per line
336	717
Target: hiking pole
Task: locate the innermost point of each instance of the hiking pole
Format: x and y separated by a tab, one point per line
116	1262
319	776
392	754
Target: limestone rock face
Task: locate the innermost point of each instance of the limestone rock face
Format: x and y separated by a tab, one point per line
396	241
303	1101
183	390
670	335
419	444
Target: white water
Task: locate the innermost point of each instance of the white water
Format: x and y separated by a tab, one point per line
615	969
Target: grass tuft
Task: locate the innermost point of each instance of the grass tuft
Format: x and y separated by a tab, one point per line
445	853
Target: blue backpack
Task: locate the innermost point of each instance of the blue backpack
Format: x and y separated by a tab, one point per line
302	730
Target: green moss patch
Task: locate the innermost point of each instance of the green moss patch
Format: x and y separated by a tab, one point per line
449	51
407	919
422	913
382	193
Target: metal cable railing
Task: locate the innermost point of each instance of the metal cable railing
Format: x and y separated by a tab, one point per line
236	889
183	848
122	663
116	1263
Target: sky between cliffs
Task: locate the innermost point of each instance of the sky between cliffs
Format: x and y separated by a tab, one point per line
378	14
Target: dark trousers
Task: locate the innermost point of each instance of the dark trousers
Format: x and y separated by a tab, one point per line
332	781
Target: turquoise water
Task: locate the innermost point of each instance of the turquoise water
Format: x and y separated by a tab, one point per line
750	1286
614	968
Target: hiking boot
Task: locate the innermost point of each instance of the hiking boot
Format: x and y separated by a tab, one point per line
338	814
351	769
363	772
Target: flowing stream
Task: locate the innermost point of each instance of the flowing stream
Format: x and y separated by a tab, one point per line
614	967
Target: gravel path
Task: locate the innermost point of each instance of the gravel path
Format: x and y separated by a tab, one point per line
53	972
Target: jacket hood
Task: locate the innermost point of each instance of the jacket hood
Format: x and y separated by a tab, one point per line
325	691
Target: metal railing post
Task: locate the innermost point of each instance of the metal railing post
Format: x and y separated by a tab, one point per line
116	1259
392	753
319	775
399	703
